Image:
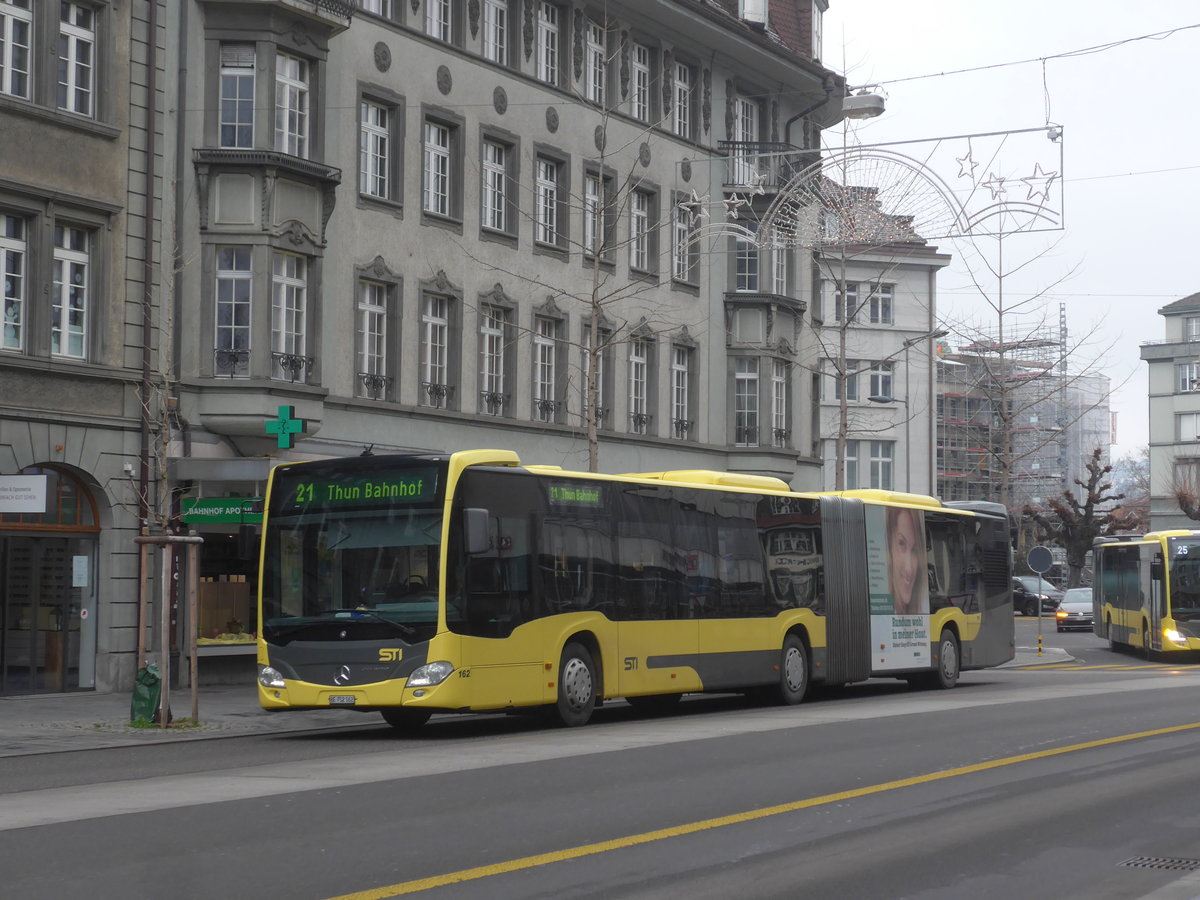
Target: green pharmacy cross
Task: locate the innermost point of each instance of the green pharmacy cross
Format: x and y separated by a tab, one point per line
287	425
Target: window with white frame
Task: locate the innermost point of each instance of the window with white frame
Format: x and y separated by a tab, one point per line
881	380
1187	426
1191	328
289	310
291	105
745	401
493	322
848	379
845	307
880	304
595	63
639	230
593	213
437	19
683	251
639	362
69	297
640	82
76	58
681	381
780	431
681	97
16	31
598	356
545	369
1185	473
818	36
545	208
779	270
547	42
753	11
14	253
374	377
881	464
435	351
236	103
435	184
378	7
375	149
235	292
850	459
745	135
745	253
495	31
1188	377
495	186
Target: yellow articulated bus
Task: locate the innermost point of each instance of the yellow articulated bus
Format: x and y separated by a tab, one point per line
412	585
1146	591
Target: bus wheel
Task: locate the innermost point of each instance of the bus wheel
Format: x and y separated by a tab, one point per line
405	719
576	686
945	676
1108	633
793	671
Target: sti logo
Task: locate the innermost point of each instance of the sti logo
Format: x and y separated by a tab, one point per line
390	654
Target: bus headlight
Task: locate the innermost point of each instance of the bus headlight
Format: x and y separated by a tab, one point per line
1174	636
430	674
271	678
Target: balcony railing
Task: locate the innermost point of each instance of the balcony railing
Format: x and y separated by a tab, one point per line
292	366
681	428
374	386
546	410
493	402
749	164
639	422
230	363
438	395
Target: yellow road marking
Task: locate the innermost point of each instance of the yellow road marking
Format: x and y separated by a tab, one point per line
544	859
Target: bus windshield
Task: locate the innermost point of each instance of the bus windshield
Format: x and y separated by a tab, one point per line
352	554
1185	578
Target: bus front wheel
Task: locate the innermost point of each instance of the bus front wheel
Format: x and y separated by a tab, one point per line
405	719
576	686
793	671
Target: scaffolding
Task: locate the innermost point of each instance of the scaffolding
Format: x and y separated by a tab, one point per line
1057	418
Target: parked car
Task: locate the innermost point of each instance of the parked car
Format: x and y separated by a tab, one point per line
1075	610
1025	601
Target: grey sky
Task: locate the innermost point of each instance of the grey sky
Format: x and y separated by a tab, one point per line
1131	171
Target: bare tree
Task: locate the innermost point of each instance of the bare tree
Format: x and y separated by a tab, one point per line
1077	519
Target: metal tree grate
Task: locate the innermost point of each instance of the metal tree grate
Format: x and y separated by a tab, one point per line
1161	862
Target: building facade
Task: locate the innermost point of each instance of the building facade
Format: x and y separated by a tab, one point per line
1174	399
386	226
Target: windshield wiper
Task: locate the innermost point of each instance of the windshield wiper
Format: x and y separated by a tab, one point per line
406	630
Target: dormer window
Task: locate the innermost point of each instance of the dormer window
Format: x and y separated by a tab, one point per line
753	11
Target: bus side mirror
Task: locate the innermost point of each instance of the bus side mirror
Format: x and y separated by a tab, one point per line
1156	568
475	531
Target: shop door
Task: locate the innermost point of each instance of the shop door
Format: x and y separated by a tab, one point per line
46	596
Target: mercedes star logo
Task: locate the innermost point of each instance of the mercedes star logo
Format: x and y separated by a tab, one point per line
343	676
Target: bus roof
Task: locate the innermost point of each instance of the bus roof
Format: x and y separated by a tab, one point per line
881	496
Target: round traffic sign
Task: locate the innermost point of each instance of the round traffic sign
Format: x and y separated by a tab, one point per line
1040	560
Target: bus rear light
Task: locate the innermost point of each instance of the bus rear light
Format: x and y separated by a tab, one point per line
430	674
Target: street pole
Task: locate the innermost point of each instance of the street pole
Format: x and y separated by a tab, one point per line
907	423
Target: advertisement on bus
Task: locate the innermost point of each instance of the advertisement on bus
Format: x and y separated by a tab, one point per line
899	586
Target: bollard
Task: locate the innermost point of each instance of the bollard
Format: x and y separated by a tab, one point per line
1039	645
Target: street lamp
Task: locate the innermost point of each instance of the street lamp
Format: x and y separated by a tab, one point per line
880	398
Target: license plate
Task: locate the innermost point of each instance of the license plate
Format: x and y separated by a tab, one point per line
341	699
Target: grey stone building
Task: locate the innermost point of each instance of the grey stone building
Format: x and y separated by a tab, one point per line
394	225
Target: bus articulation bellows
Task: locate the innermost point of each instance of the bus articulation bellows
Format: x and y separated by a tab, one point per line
469	582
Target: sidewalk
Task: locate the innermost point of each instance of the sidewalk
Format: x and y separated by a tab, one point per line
53	723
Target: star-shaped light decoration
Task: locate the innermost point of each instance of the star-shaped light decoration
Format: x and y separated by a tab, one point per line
966	165
733	203
1039	183
757	181
696	208
995	184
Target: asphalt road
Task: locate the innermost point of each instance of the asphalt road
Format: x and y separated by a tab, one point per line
1019	783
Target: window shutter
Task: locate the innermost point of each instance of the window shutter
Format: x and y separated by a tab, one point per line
237	56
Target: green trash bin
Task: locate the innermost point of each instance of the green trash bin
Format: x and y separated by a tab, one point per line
147	691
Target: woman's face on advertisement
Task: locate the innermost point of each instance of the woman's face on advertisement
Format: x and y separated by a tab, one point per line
905	553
